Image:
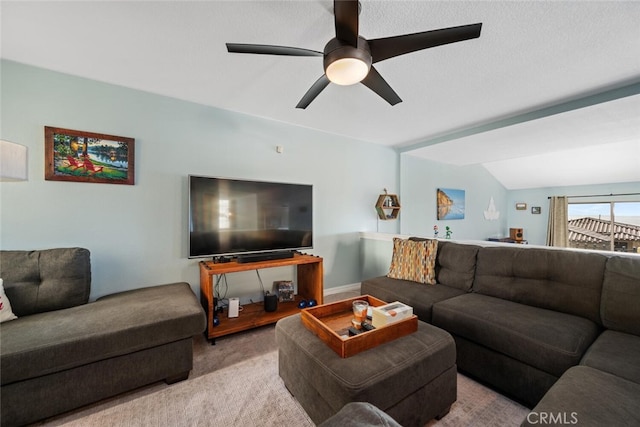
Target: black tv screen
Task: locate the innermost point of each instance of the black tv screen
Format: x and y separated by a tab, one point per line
234	216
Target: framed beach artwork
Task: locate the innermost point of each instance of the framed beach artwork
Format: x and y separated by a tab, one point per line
73	155
450	203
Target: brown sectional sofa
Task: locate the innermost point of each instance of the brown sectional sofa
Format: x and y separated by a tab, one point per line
63	352
542	325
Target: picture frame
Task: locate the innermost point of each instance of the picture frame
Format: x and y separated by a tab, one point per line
285	290
79	156
536	210
450	203
521	206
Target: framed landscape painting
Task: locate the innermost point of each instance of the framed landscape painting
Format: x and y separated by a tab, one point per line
73	155
450	203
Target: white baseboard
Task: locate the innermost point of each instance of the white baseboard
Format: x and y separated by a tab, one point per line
353	287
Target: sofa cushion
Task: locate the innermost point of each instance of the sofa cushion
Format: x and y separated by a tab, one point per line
417	295
584	396
413	260
455	263
617	353
46	280
545	339
560	280
620	295
118	324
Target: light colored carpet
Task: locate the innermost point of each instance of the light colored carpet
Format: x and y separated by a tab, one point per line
478	405
250	393
236	383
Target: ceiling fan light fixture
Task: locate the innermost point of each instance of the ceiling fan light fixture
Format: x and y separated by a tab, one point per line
345	64
347	71
348	57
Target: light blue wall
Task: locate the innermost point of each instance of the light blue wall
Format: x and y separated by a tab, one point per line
420	179
376	250
138	234
535	226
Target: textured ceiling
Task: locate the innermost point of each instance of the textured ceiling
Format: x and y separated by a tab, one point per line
530	55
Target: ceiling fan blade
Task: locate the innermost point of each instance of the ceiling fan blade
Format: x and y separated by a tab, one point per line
389	47
376	83
313	91
265	49
346	18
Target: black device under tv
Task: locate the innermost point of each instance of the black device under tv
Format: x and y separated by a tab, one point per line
264	256
250	220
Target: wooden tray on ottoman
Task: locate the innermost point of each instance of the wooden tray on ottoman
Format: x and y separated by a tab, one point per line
330	323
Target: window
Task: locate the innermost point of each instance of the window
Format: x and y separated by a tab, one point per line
590	226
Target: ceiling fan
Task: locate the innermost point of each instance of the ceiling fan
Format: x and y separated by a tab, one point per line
349	58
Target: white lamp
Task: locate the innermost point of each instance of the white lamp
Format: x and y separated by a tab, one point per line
13	161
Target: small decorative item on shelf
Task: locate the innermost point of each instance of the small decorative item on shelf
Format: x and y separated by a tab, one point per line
303	303
448	232
285	290
435	231
387	206
270	302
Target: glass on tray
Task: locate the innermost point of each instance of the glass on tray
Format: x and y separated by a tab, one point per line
359	313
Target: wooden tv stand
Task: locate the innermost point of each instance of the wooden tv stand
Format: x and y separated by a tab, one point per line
310	286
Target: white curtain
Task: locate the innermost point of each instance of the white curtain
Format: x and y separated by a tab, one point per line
558	230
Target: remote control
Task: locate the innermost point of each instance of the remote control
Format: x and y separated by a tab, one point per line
367	326
353	331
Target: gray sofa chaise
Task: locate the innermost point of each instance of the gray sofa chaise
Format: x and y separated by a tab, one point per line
63	352
543	325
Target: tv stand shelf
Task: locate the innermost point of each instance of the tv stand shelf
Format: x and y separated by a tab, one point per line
310	286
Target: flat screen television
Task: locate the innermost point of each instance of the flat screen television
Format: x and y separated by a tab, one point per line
234	217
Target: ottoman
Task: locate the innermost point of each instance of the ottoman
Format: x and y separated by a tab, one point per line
413	379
